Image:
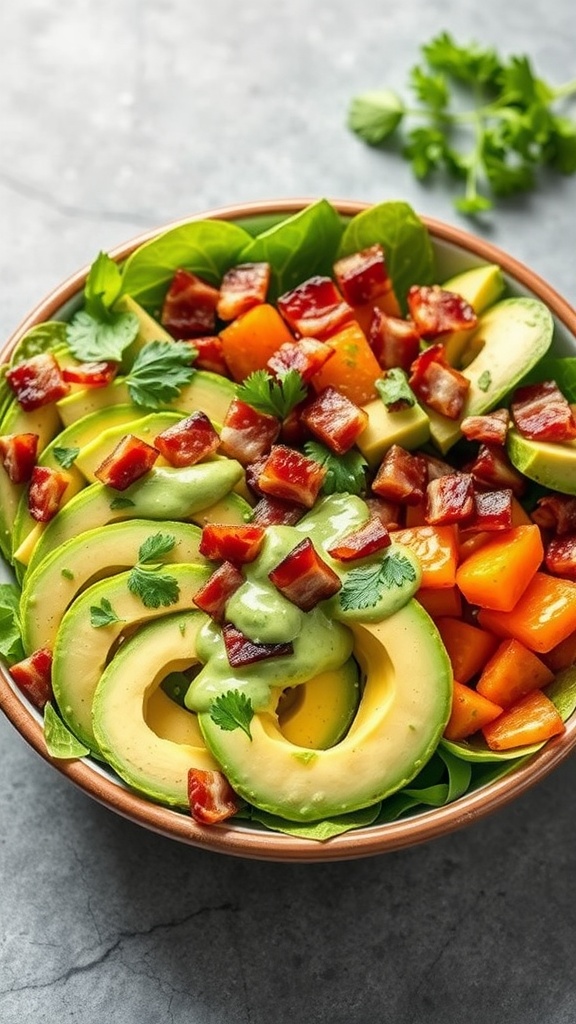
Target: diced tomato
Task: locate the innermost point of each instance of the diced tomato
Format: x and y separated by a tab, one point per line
237	544
364	541
363	276
186	442
493	510
131	459
335	420
394	342
189	308
436	311
561	556
315	308
449	499
247	434
556	512
304	577
210	796
439	385
243	287
488	429
91	375
37	381
542	413
493	468
18	453
532	719
401	477
45	492
270	511
291	476
210	355
33	676
218	589
241	650
307	356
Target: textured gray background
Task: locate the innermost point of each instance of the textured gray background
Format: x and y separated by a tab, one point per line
123	115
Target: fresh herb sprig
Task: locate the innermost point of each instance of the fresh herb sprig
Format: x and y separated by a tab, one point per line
232	710
160	371
364	586
512	128
98	331
155	589
271	395
345	474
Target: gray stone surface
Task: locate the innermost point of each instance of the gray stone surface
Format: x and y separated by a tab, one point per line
123	115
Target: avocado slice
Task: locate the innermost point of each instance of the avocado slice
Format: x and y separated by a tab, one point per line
481	287
318	713
552	465
148	329
82	650
402	714
409	428
95	450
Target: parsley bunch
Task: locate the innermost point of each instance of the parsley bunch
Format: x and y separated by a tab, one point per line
496	146
271	395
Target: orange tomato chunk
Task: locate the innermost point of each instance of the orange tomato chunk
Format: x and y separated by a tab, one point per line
544	616
468	648
436	548
497	574
532	719
353	369
250	340
470	713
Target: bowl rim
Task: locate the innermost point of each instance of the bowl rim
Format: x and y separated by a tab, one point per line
237	839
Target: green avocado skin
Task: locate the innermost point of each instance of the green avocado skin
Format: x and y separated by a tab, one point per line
552	465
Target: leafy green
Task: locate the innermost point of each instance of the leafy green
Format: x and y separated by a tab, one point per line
232	710
102	614
65	456
271	395
345	474
122	502
11	649
155	589
561	369
375	115
484	380
160	371
155	546
395	391
363	587
60	742
98	331
320	831
41	338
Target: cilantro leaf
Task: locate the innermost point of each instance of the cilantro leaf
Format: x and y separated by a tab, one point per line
60	742
395	391
375	115
345	473
160	371
484	380
155	589
271	395
65	456
98	331
232	710
11	649
363	587
122	502
155	546
102	614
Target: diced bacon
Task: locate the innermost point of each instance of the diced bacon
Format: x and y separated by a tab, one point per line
210	355
542	413
491	428
210	797
449	499
33	676
401	477
304	577
394	342
439	385
37	381
131	459
294	431
435	467
388	512
556	512
241	650
291	476
236	544
363	276
186	442
436	311
493	469
218	589
560	556
243	287
252	473
275	512
189	308
18	454
364	541
315	308
247	434
335	420
91	375
307	356
45	492
492	511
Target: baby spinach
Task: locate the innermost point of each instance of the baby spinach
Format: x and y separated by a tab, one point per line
318	830
42	338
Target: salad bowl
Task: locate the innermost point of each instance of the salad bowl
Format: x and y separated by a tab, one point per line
455	252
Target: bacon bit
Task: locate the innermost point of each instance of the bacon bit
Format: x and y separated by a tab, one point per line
556	512
91	375
315	308
33	676
45	493
186	442
236	544
394	342
305	578
37	381
436	311
293	431
275	512
542	413
335	420
247	434
307	356
189	308
492	511
210	797
210	355
388	512
291	476
368	539
435	467
241	650
438	384
18	453
363	276
213	596
449	499
129	461
560	558
401	477
489	429
493	469
243	287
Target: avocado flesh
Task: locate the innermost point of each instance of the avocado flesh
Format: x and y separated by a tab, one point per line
402	714
480	287
320	711
409	428
551	464
93	453
82	651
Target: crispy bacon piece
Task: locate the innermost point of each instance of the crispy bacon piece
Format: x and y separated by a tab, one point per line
492	511
437	383
91	375
556	512
186	442
33	676
236	544
213	596
130	460
364	541
335	419
247	434
210	355
449	499
45	492
363	276
189	308
291	476
210	797
307	356
241	650
490	428
388	512
294	431
493	469
37	381
315	308
560	558
243	287
270	511
401	477
305	578
394	342
436	467
18	454
542	413
436	311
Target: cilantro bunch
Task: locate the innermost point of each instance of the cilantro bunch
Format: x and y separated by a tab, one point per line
486	120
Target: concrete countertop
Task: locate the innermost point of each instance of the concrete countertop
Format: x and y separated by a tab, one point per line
121	116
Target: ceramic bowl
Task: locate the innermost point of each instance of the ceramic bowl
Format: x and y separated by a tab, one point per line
455	250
